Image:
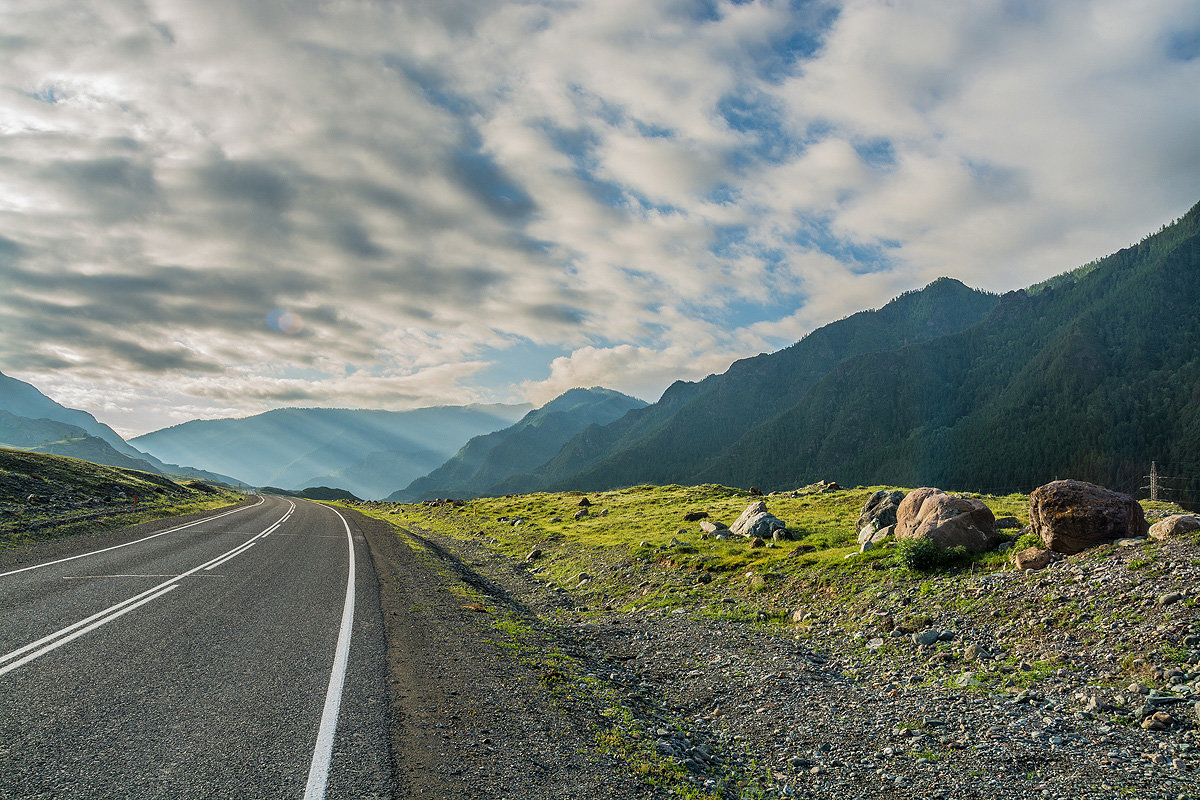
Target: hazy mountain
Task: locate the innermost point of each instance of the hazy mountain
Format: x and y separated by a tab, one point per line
487	463
61	439
337	447
36	421
674	439
24	400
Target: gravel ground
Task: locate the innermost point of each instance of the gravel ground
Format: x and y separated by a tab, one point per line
1029	685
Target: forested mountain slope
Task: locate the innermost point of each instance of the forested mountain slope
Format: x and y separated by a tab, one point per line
1091	376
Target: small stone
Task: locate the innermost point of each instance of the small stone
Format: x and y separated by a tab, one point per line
926	637
534	555
1158	721
757	542
971	653
875	644
1169	598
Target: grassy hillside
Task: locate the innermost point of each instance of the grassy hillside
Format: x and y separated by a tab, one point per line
45	496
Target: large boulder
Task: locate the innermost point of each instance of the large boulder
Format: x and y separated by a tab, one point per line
1174	525
1072	516
756	521
878	513
948	521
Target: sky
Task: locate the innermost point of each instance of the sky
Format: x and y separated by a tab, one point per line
215	207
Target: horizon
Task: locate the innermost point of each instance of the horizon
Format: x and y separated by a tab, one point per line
216	210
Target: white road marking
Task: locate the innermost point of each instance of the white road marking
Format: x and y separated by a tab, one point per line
64	635
234	553
93	577
318	771
261	500
103	621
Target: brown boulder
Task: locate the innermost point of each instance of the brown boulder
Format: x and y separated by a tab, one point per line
1071	516
1033	558
948	521
1174	525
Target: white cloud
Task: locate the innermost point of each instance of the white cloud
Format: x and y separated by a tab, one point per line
429	187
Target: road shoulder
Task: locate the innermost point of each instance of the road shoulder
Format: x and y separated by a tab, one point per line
482	707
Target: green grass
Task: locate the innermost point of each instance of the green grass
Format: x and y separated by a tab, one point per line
74	496
624	544
625	539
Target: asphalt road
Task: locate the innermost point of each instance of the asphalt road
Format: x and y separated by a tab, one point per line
238	657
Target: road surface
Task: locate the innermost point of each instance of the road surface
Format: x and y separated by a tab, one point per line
241	656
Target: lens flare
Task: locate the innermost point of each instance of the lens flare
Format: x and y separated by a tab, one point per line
285	322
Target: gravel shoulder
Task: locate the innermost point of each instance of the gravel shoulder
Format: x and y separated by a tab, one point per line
475	710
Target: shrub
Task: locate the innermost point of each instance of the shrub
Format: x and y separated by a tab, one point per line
925	555
1028	540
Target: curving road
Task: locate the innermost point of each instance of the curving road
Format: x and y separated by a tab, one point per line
238	656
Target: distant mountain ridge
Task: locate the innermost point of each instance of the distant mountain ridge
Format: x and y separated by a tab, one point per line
25	400
32	421
673	440
364	451
497	457
1092	373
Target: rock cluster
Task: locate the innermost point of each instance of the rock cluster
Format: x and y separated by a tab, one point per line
757	522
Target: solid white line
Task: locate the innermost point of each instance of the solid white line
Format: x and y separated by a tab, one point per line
261	500
82	622
137	600
130	575
234	553
318	771
82	631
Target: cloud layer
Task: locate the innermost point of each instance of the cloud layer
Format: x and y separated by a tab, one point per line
217	207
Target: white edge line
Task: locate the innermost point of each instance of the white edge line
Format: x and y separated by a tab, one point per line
136	541
318	772
137	600
82	631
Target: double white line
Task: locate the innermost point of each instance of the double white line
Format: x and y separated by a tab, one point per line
53	641
261	500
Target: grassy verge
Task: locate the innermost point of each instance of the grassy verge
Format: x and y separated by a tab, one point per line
633	550
47	497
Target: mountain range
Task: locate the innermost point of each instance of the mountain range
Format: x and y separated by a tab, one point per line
29	420
1092	374
368	452
506	454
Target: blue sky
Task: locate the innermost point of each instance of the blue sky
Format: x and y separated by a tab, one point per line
214	208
